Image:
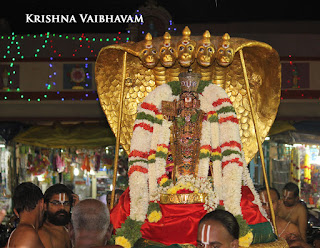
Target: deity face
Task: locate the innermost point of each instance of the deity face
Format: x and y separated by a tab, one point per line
212	234
205	55
186	52
225	55
149	57
167	55
189	100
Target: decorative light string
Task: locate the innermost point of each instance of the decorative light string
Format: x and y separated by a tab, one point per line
46	46
85	47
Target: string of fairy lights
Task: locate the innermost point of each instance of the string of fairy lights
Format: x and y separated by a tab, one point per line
53	48
49	47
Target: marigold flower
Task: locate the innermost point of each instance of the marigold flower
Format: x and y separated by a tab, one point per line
154	217
123	242
246	240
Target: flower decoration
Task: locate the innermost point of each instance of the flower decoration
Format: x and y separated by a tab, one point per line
246	240
181	188
154	212
190	184
123	242
246	236
129	233
154	216
163	179
220	150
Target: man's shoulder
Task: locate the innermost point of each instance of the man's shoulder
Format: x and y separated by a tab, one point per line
25	230
25	235
302	207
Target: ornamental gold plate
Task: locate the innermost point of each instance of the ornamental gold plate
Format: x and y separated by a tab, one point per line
145	71
191	198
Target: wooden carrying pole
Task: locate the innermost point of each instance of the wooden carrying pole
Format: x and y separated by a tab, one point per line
116	156
258	139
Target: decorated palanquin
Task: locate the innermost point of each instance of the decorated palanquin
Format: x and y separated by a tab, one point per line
187	125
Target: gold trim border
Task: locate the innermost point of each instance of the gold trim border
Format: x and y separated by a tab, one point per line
183	198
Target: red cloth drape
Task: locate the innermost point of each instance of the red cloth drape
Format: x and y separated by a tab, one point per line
179	223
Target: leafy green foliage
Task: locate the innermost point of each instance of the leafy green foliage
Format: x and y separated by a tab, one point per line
130	229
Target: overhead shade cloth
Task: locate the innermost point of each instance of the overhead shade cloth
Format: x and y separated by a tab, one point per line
280	127
67	136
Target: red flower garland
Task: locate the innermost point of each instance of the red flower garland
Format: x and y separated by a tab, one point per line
220	101
150	106
136	153
229	118
134	168
145	126
160	178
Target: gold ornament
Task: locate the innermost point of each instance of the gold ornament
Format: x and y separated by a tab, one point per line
186	48
262	66
205	51
225	52
149	55
192	198
167	51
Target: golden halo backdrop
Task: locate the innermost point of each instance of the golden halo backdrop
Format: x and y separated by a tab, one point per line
152	62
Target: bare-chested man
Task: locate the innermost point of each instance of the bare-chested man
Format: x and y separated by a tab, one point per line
292	210
58	200
28	206
285	229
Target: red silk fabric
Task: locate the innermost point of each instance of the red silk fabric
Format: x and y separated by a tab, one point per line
179	223
250	211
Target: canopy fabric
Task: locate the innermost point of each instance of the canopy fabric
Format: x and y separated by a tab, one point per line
304	132
280	127
67	136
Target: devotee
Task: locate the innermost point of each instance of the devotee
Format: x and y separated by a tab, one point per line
58	201
117	194
218	228
286	229
292	210
28	207
90	225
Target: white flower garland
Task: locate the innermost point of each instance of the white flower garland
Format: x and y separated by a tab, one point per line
153	185
232	175
160	163
205	139
139	196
